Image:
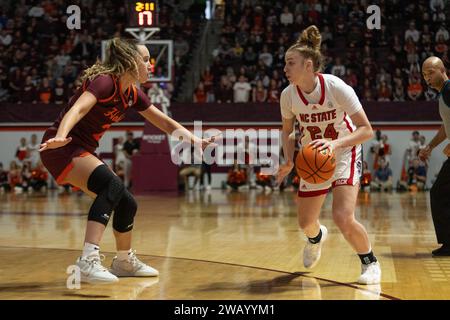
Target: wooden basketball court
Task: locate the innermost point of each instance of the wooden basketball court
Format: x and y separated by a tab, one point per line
221	245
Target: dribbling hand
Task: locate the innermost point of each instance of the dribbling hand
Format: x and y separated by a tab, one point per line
54	143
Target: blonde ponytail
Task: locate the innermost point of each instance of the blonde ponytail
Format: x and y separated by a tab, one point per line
120	57
308	45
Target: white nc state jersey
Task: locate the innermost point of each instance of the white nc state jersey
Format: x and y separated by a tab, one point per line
325	112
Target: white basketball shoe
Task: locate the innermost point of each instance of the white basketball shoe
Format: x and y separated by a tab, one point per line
370	273
132	267
92	271
312	251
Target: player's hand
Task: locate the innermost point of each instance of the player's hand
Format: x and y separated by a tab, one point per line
425	153
446	150
322	144
207	142
283	171
54	143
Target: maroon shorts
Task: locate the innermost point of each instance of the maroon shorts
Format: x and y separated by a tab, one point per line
59	161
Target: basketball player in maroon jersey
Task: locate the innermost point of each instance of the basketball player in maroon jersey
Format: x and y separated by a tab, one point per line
68	152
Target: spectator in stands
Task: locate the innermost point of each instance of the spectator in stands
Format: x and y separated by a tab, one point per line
250	57
384	92
5	38
435	5
224	92
26	176
426	36
33	151
384	150
22	151
412	33
83	47
59	92
16	83
338	69
374	149
442	31
15	177
273	92
237	177
266	56
354	37
130	148
45	91
327	36
189	169
439	16
399	92
259	92
119	153
39	177
417	177
382	178
422	145
351	79
415	89
208	82
4	184
413	148
120	169
286	18
366	177
441	45
242	90
199	93
27	92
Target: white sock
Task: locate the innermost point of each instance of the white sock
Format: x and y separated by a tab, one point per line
89	249
123	254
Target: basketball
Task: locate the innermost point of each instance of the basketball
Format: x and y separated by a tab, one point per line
315	166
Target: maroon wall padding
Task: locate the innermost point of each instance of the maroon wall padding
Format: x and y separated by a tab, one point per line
409	111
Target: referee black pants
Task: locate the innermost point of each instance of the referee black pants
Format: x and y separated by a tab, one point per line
440	204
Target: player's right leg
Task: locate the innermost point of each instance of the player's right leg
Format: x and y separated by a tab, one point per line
95	179
308	211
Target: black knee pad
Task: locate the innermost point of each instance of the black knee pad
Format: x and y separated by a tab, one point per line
124	213
109	190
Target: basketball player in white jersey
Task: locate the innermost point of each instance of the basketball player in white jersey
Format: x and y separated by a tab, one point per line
330	116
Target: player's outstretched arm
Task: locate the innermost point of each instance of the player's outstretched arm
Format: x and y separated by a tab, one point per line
169	126
80	108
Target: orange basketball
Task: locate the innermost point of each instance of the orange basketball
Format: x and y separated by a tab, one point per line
314	166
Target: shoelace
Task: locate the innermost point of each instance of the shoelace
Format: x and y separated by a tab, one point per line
94	261
134	260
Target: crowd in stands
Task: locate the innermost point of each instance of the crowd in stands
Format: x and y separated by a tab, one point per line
41	59
413	171
26	173
381	65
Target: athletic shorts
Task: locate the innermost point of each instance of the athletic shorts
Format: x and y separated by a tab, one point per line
59	161
347	173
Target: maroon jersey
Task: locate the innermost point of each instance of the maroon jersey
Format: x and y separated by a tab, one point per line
111	107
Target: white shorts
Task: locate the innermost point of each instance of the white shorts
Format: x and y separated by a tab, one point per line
347	173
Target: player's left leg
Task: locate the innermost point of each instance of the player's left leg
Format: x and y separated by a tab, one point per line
126	264
344	203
